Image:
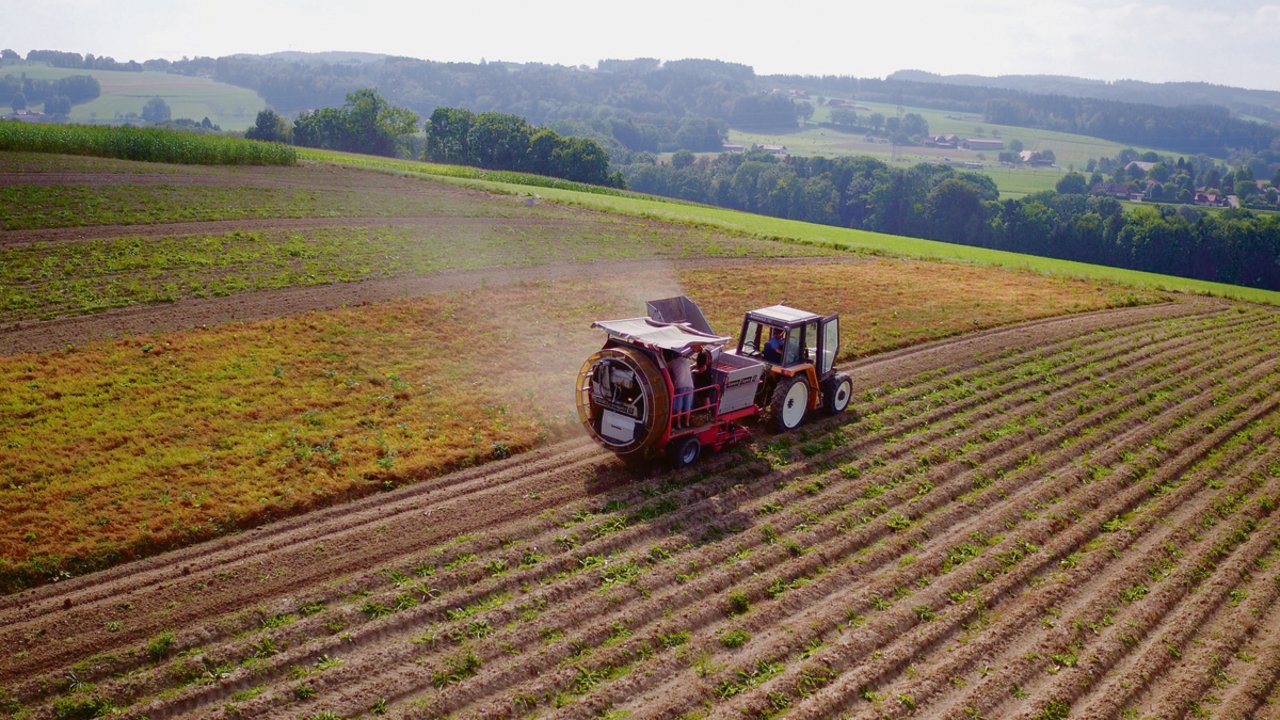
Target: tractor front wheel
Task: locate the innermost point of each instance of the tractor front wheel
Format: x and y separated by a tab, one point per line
837	391
790	403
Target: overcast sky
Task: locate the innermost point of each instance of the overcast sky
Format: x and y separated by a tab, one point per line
1228	43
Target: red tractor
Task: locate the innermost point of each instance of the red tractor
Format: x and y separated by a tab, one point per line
633	400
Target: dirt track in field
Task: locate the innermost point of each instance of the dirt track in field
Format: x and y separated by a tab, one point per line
1070	514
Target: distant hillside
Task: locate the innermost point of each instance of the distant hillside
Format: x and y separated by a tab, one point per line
647	105
1187	129
320	58
124	93
1263	105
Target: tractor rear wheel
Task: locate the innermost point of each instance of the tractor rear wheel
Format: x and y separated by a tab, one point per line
790	403
837	391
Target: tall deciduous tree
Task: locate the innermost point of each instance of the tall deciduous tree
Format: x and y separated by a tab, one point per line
156	110
271	127
57	106
366	123
1072	183
375	124
955	212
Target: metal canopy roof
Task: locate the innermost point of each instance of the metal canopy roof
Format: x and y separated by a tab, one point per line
785	315
679	337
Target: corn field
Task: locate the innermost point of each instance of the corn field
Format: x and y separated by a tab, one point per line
146	144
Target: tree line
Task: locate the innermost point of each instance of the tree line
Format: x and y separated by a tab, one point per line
367	123
20	92
938	202
61	59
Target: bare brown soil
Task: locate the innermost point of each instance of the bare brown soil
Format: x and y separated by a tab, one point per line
1074	515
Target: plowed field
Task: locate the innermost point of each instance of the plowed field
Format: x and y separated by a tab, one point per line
1071	517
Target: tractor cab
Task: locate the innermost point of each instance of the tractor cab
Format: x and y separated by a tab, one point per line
787	337
800	349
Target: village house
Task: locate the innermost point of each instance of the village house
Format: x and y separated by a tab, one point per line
1210	199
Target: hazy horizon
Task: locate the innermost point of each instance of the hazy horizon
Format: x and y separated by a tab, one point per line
1148	40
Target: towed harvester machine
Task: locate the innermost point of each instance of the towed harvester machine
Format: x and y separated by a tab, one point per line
783	367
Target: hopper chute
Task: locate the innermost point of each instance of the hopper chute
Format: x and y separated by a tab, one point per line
679	309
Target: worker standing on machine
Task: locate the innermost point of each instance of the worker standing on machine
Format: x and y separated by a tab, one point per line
702	377
682	378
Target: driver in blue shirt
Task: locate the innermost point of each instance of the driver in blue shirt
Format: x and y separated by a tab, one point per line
773	348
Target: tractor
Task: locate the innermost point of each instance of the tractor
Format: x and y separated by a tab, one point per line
782	369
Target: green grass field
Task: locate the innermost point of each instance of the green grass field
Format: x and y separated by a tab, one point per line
230	107
1071	151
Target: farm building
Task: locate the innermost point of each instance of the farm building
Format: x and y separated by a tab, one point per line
1034	158
982	144
25	115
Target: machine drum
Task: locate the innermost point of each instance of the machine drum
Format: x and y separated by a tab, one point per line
623	400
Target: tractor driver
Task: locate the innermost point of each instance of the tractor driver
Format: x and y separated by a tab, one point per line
774	347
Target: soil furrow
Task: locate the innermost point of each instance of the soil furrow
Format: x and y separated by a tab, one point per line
1254	669
202	569
816	548
1077	598
1195	683
1174	623
1061	638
